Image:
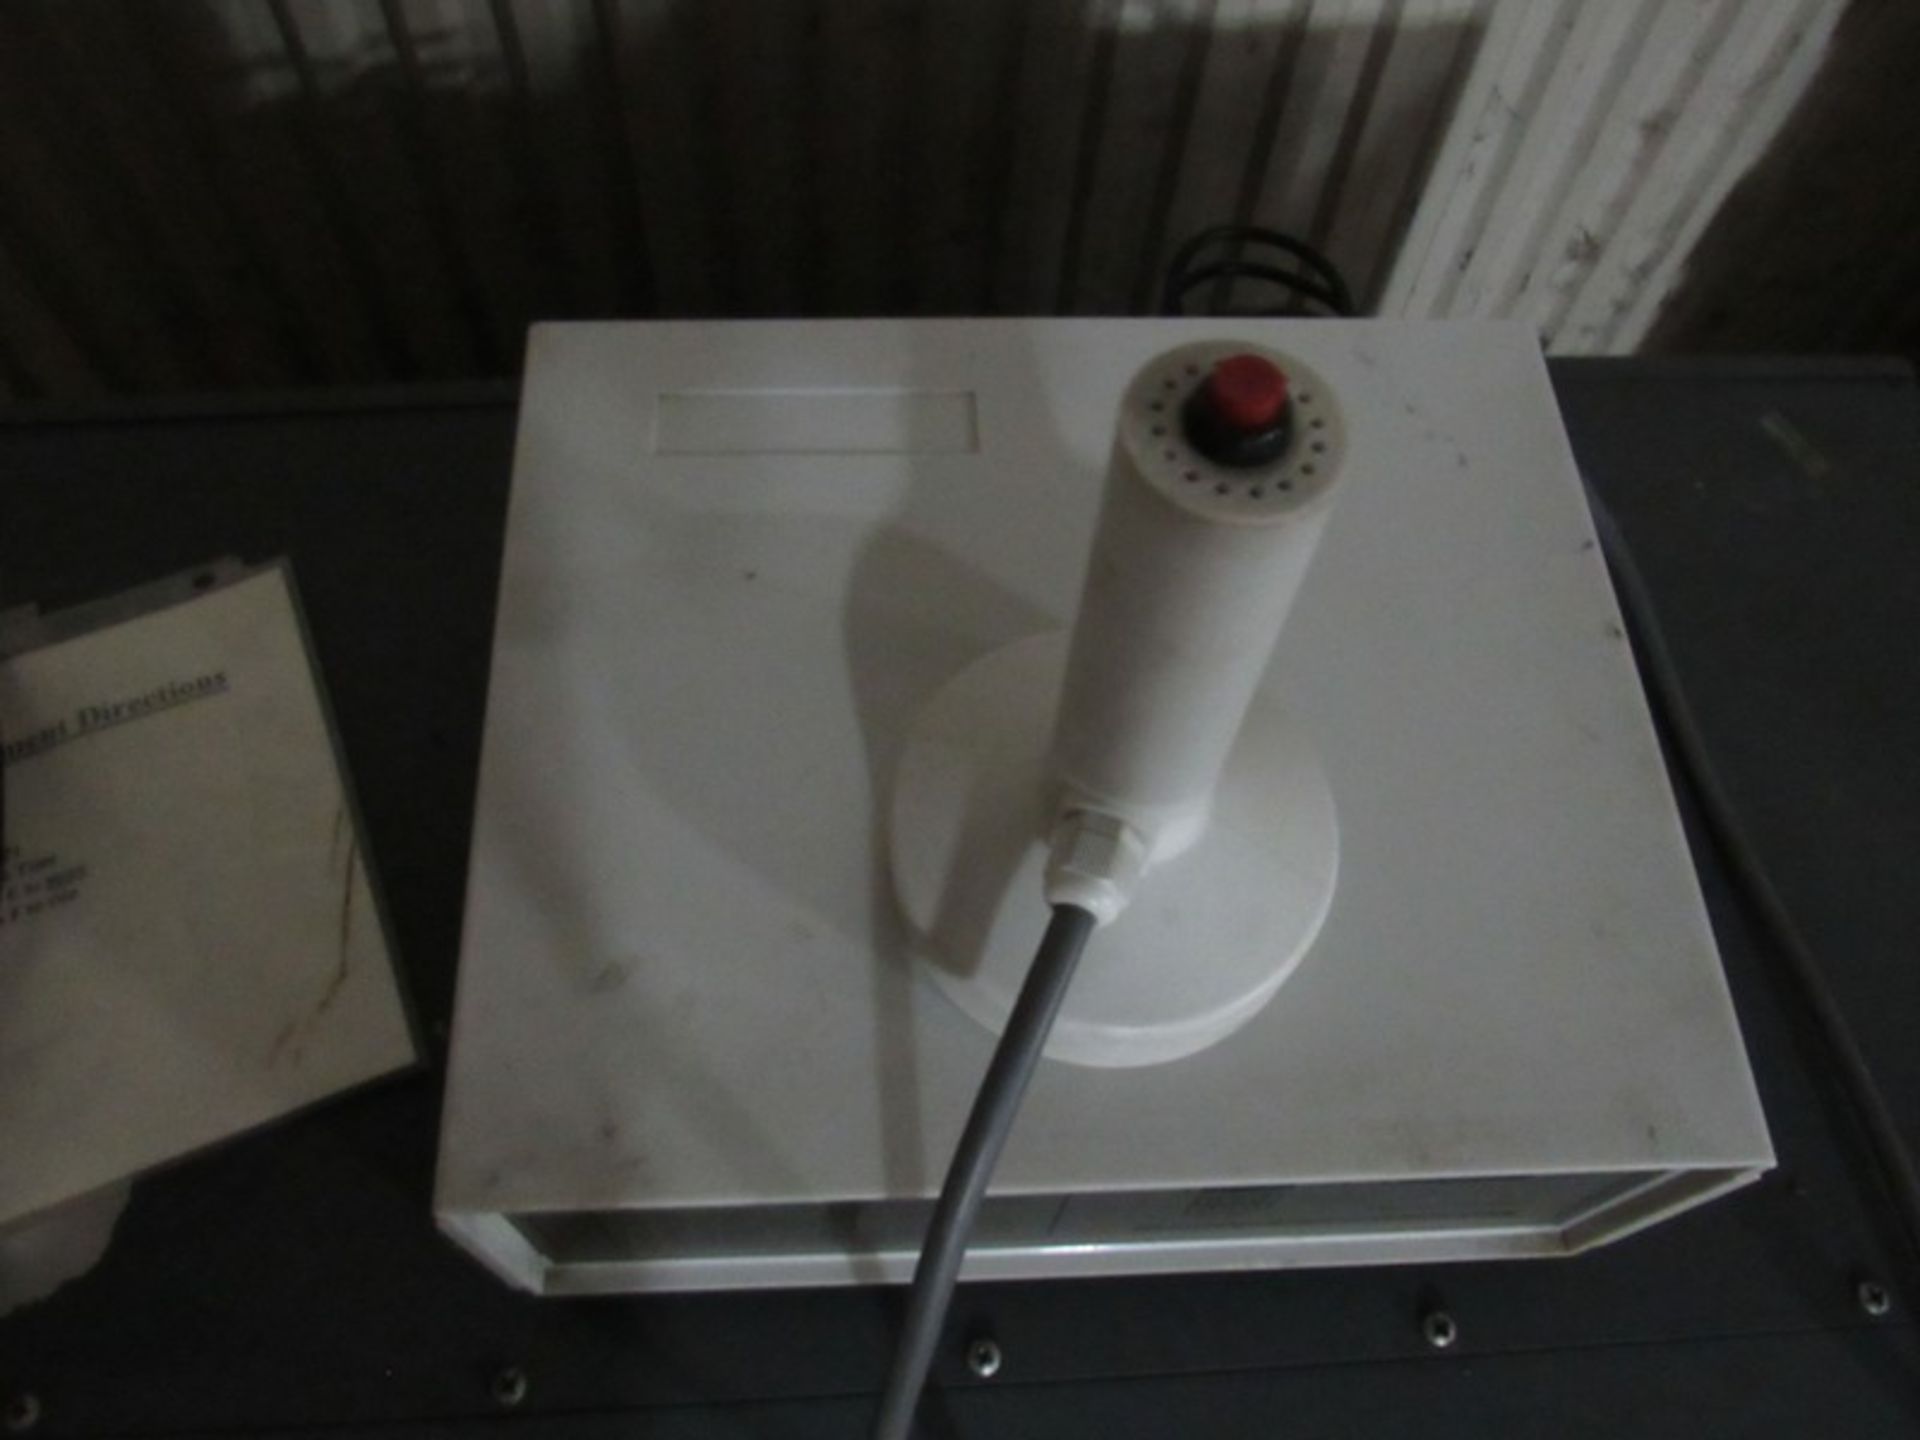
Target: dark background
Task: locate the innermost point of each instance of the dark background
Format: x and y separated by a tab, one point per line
205	195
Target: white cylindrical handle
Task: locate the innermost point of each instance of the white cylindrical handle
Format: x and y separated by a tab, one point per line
1201	546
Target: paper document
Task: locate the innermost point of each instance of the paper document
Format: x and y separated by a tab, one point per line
189	944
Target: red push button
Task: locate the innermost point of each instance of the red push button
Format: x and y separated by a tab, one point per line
1248	393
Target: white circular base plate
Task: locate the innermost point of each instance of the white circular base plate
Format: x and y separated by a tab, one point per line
1211	932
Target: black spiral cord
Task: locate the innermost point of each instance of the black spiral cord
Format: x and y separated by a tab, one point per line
1308	280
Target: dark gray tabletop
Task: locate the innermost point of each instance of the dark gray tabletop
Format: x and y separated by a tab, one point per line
294	1280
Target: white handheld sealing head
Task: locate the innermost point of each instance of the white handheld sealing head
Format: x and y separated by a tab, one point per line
1224	465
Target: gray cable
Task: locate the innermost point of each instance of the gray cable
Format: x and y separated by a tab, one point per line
1886	1145
988	1126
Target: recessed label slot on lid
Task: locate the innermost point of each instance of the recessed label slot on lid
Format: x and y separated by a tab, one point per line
816	422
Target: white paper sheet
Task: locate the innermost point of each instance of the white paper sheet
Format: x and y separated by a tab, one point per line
189	945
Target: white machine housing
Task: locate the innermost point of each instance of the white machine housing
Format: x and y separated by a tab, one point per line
690	1050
